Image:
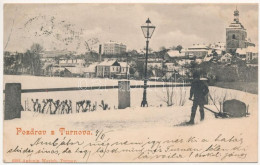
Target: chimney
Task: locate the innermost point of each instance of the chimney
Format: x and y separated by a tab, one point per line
99	52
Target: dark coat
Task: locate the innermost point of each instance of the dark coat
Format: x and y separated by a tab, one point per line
200	90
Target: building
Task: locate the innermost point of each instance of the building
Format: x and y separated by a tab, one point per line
56	70
226	58
241	53
90	71
124	68
71	62
208	58
218	46
247	54
108	69
197	51
251	53
112	48
175	54
184	62
236	35
73	71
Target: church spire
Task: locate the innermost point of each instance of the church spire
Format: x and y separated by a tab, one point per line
236	15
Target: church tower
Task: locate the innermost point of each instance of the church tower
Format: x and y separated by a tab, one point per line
235	35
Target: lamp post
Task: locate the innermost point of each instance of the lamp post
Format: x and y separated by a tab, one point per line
148	30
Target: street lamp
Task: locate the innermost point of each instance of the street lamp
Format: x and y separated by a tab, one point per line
148	30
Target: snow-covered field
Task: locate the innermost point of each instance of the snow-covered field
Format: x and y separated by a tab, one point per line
156	121
157	97
34	82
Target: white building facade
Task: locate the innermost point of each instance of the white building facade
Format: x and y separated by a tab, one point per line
112	47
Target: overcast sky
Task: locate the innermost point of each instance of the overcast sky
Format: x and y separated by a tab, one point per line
176	24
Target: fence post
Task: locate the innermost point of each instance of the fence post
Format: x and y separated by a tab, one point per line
123	94
13	105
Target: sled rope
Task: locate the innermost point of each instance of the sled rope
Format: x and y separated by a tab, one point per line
213	102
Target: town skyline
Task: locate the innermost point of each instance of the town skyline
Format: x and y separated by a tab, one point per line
176	24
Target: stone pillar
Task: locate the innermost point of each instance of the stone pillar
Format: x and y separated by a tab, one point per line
123	94
13	105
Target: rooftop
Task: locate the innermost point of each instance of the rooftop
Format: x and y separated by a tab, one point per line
175	53
113	42
75	70
124	64
107	63
91	68
252	49
236	25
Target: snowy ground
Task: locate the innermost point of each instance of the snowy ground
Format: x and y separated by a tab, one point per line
157	121
157	97
34	82
136	124
158	113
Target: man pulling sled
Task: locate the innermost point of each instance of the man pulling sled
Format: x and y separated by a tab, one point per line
199	90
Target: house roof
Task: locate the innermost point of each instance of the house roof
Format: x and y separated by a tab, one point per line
175	53
241	50
197	50
90	68
252	49
218	51
208	58
235	25
107	63
75	70
124	64
226	55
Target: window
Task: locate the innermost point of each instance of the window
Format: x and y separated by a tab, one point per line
233	36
